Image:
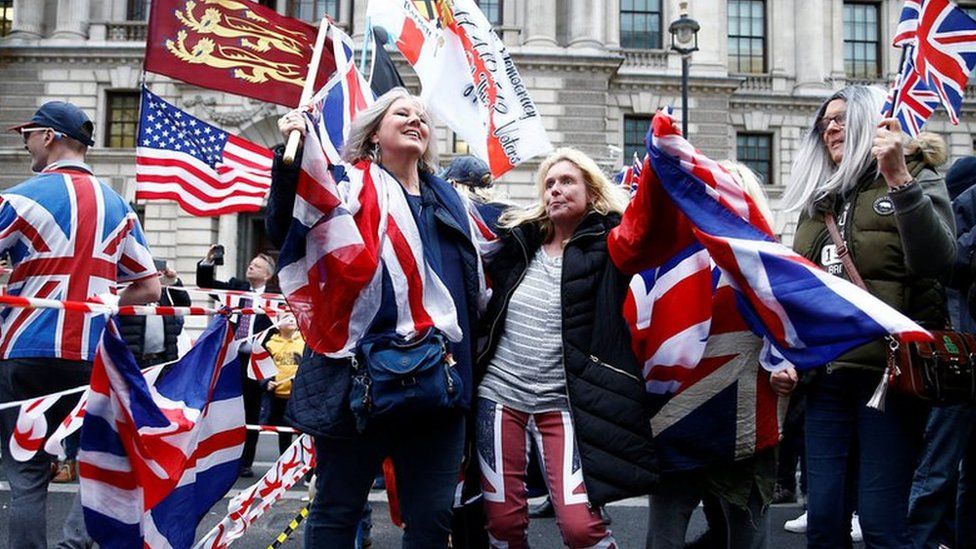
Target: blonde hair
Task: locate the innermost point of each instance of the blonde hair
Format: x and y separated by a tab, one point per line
358	145
605	196
747	179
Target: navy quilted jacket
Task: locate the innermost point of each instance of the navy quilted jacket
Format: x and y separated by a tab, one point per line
319	402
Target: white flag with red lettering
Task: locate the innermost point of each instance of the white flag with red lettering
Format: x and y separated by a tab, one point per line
469	80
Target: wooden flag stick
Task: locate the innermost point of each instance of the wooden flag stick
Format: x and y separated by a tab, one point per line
313	69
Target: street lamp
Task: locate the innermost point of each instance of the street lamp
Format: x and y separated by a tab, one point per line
684	40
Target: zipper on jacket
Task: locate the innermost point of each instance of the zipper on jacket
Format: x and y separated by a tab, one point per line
614	368
562	330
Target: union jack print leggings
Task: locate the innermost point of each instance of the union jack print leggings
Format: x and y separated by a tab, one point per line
503	453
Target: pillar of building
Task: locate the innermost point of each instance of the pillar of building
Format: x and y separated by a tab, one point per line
540	23
811	36
28	23
586	24
72	18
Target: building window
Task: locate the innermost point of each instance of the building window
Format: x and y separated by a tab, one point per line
137	10
492	10
862	48
635	128
459	146
755	150
6	16
122	125
314	10
640	24
747	36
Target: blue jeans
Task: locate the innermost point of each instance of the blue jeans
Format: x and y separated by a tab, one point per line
426	454
966	498
842	435
933	497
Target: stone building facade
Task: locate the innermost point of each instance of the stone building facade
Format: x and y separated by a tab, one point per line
597	70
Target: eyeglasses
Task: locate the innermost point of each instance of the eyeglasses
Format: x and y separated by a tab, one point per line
824	123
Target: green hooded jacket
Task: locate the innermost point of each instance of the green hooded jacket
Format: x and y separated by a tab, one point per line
901	244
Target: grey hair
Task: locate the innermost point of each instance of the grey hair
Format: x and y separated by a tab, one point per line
814	175
358	145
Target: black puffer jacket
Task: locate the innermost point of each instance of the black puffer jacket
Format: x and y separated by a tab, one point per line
606	392
133	328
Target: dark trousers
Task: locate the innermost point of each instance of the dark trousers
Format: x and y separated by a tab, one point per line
276	416
426	454
844	435
252	411
791	448
27	378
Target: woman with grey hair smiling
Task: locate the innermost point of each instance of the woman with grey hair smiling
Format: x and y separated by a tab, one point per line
420	230
893	214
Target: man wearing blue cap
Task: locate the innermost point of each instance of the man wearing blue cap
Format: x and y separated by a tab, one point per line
69	237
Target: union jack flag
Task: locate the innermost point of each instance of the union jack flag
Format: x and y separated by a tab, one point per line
945	52
629	176
721	298
806	316
347	221
70	237
156	456
907	24
915	101
338	102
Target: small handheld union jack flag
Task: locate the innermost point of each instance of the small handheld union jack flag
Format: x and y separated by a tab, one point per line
945	52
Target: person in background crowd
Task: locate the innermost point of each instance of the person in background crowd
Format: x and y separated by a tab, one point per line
735	493
259	272
286	347
470	175
939	512
152	338
67	215
557	364
893	212
390	139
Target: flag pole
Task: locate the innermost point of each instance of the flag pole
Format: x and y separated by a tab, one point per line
308	89
894	95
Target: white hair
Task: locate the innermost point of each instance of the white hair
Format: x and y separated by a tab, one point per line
358	145
814	175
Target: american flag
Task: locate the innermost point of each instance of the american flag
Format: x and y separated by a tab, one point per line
907	24
70	237
206	170
945	52
156	456
915	102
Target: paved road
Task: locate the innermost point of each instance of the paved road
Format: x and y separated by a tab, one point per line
629	518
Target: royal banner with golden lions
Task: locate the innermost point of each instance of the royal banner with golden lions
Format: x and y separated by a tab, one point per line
236	46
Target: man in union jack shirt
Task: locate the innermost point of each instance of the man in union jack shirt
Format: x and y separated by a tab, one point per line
69	237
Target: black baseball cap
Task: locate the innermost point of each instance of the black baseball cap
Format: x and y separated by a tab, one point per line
62	117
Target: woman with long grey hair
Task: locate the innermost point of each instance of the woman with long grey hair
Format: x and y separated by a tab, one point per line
893	213
387	170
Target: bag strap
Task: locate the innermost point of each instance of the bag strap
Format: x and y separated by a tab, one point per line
842	251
